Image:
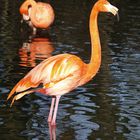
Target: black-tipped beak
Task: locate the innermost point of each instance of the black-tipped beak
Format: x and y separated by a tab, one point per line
112	9
118	17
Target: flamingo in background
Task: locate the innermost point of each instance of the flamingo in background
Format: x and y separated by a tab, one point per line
62	73
37	14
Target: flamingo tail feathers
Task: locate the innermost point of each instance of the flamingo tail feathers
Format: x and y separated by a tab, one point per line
20	95
22	86
12	91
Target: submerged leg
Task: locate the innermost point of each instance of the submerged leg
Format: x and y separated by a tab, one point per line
55	110
33	28
51	110
52	132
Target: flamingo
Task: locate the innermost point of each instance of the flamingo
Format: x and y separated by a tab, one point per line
37	14
62	73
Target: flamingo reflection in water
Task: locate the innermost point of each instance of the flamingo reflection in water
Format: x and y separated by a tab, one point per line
36	50
64	72
37	14
52	132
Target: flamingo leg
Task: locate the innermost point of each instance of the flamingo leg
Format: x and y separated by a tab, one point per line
34	31
52	132
55	110
51	110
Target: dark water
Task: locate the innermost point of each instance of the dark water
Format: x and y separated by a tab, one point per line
106	108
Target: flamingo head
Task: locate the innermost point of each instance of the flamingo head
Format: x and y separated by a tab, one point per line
105	6
26	6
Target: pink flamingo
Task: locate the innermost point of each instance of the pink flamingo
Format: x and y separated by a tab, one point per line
62	73
39	14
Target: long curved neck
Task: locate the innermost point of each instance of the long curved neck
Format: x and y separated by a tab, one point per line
95	60
32	2
24	7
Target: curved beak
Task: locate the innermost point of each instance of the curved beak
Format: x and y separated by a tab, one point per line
112	9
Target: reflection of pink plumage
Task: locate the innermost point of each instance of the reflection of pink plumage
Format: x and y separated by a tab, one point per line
62	73
38	49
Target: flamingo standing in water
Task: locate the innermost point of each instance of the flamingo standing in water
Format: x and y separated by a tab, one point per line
62	73
37	14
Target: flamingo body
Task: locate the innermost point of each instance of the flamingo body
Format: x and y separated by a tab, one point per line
58	74
62	73
40	14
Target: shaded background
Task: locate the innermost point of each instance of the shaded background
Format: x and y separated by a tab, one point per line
106	108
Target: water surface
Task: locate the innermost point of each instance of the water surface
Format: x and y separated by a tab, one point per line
106	108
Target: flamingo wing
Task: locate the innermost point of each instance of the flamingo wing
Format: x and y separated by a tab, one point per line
59	74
